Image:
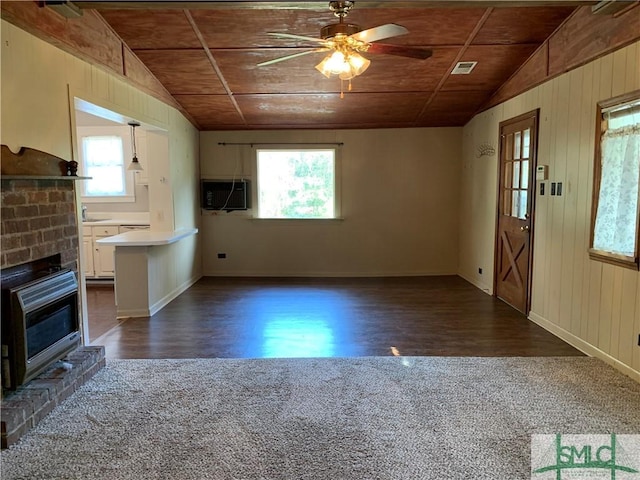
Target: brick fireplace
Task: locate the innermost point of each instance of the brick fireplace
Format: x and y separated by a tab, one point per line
39	221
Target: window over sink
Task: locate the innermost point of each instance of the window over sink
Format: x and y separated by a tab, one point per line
103	158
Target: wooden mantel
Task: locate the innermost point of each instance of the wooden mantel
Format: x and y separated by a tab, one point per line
30	163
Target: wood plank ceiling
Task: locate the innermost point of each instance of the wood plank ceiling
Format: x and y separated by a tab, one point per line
207	59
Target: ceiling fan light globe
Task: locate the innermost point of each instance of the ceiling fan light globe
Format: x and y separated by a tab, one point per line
358	63
337	63
322	68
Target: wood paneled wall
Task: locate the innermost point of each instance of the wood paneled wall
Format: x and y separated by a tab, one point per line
89	38
594	306
583	38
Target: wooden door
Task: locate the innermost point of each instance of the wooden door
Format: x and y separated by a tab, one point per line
518	147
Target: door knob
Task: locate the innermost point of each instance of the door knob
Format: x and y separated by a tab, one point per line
525	228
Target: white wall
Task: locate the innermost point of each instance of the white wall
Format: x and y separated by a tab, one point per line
592	305
37	82
400	191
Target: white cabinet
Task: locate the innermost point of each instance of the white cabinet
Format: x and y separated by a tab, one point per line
87	247
103	256
99	259
104	260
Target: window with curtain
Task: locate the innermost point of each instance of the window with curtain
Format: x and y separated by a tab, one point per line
615	216
296	184
103	159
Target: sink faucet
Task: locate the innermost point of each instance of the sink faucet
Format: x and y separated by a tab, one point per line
84	213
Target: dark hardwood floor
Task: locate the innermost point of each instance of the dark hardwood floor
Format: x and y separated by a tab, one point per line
102	310
323	317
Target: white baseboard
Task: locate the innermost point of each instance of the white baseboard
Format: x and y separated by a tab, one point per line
141	312
584	346
328	274
160	304
481	286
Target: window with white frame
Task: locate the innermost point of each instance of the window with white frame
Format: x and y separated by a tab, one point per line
103	158
616	202
296	184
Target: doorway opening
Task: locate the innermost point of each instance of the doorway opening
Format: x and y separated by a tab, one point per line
105	213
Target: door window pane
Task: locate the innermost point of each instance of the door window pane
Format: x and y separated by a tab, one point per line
508	172
506	208
526	139
516	174
515	205
509	146
525	174
522	204
516	145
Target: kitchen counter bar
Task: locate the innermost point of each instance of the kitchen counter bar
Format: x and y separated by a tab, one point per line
147	264
144	238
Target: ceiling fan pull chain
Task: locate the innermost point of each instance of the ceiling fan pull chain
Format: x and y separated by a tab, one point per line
341	88
349	84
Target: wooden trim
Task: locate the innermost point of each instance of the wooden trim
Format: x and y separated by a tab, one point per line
214	64
513	86
599	255
267	5
612	258
31	162
42	177
461	52
533	163
619	100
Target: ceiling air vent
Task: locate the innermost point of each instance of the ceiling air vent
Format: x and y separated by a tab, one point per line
463	68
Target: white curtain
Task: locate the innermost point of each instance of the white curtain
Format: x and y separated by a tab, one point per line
615	229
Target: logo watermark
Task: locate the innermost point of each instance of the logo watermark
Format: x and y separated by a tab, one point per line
582	457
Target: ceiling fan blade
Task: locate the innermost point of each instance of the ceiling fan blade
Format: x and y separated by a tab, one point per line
289	57
400	50
379	33
297	37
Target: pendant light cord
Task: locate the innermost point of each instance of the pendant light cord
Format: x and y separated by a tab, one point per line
133	139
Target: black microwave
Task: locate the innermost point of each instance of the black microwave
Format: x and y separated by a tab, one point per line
225	195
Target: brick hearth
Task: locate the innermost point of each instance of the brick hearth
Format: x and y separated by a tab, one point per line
28	405
38	220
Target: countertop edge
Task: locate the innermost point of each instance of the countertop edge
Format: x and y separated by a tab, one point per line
145	238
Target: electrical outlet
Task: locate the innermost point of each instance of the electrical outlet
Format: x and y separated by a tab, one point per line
541	188
559	189
480	271
222	255
553	188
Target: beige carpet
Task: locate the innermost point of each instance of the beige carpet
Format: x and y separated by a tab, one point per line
364	418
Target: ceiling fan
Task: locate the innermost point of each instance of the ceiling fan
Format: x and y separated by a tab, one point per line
345	41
